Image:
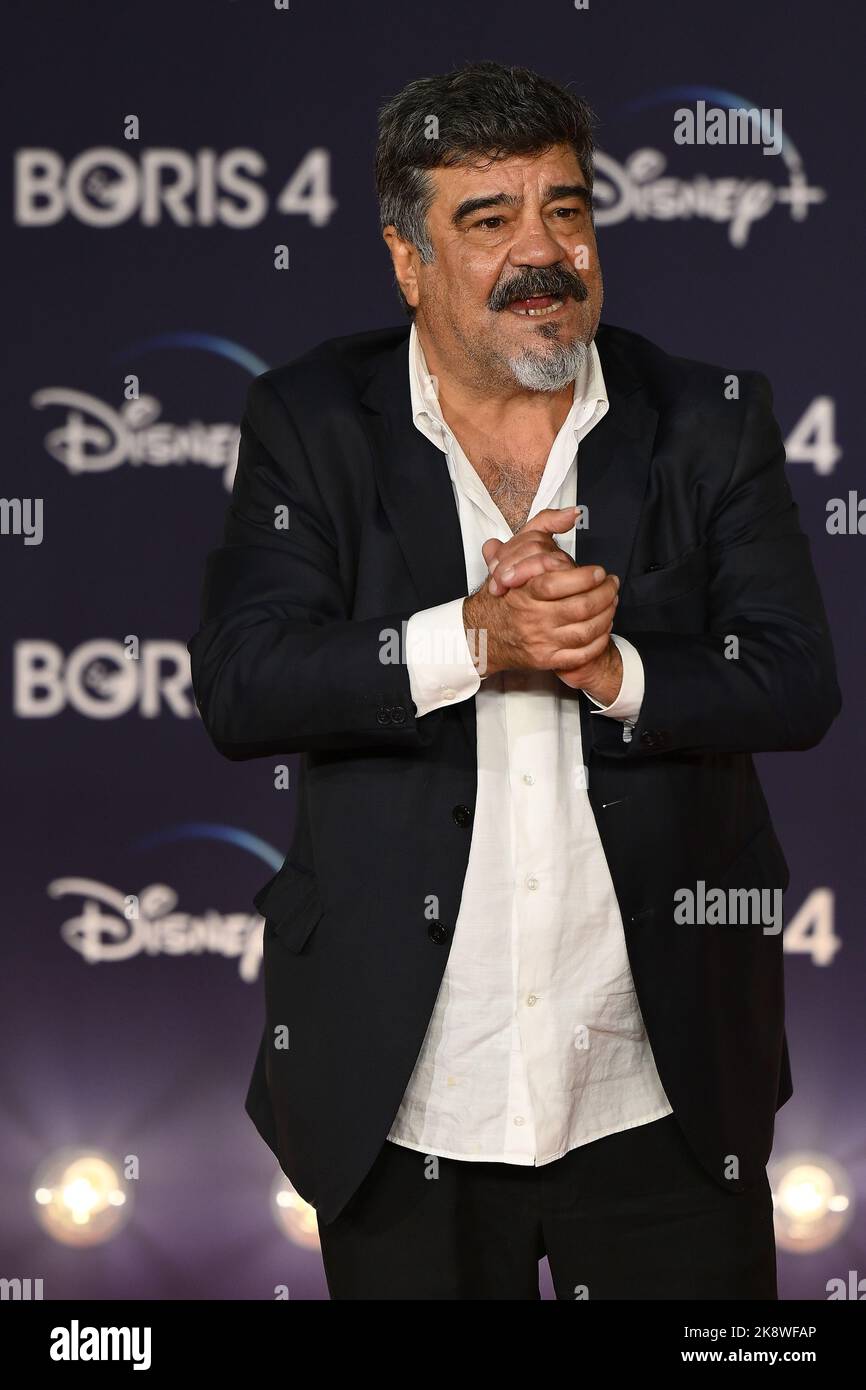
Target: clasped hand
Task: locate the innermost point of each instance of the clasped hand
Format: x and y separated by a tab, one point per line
541	611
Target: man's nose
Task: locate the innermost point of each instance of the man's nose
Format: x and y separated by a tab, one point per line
535	245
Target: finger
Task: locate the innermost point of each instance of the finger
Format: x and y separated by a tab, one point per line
520	548
553	520
491	548
495	552
577	608
525	543
569	660
568	583
518	574
583	634
538	531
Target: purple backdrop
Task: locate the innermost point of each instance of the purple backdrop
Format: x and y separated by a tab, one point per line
153	258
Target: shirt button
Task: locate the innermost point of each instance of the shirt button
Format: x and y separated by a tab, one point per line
528	778
519	1120
532	999
532	883
449	693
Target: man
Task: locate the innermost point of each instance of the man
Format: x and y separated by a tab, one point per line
490	1033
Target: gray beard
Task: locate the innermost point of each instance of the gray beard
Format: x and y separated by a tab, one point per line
550	370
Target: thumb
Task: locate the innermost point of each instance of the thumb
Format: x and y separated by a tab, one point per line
553	520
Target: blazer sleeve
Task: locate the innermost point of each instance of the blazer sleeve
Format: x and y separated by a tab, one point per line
278	666
780	691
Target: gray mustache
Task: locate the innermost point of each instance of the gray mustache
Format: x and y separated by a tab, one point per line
560	285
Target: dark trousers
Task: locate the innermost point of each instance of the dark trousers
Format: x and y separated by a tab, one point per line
630	1216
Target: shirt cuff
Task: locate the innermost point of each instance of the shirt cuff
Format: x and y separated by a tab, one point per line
438	658
627	704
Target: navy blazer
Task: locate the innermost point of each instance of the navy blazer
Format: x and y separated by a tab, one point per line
689	503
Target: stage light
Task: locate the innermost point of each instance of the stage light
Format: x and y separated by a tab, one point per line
295	1217
812	1200
80	1198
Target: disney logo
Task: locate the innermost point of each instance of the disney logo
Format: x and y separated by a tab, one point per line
637	189
96	438
150	924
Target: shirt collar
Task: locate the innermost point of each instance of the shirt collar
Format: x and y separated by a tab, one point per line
590	392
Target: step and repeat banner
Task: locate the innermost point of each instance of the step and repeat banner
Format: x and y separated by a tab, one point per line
190	202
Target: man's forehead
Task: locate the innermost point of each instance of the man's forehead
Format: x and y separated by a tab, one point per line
551	166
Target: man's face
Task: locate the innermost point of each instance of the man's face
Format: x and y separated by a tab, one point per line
515	287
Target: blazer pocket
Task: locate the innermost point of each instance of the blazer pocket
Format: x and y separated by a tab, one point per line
759	867
291	905
760	864
679	577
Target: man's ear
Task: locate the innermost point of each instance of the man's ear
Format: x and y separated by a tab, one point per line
404	258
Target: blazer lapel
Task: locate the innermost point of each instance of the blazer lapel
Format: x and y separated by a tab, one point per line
417	495
612	467
415	486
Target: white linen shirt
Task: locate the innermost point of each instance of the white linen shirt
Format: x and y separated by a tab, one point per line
536	1043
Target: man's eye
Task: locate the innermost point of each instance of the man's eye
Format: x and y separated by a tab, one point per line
569	212
490	223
